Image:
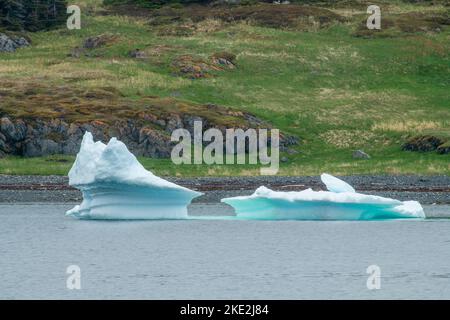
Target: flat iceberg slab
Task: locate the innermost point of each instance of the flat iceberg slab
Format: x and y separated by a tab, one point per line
116	186
342	204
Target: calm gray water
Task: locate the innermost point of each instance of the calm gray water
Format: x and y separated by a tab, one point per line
215	259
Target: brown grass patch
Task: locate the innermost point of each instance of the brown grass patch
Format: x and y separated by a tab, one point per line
34	100
351	138
407	126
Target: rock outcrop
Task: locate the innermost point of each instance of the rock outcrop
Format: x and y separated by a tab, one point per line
196	67
42	137
193	67
11	43
427	143
360	154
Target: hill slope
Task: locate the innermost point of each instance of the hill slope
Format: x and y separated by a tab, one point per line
321	78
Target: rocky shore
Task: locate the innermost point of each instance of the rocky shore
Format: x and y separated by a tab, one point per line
426	189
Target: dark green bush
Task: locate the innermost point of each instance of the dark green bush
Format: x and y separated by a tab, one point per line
32	15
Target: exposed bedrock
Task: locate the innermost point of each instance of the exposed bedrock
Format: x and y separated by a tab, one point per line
150	138
427	143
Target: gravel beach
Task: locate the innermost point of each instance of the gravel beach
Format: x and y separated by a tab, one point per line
425	189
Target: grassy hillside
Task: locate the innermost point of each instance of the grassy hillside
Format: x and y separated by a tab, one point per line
332	84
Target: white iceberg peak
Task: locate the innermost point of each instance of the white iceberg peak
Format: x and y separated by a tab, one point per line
85	165
97	162
335	185
116	186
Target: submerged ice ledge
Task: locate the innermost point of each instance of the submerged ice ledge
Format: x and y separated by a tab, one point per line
116	186
342	203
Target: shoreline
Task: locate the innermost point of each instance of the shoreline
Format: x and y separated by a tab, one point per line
425	189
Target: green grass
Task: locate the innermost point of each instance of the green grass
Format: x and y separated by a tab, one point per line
335	91
387	163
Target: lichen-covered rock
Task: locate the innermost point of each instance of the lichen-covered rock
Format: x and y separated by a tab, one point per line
99	41
193	67
41	147
137	54
10	44
444	148
14	132
91	43
359	154
196	67
155	144
224	59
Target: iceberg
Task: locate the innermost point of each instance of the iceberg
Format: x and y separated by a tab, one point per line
334	184
116	186
341	202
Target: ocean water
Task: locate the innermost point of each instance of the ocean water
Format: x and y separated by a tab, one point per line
220	259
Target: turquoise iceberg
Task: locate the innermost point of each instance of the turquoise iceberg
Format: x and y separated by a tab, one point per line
342	202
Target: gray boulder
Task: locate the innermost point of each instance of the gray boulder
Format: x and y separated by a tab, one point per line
154	144
13	132
10	44
137	54
444	148
98	41
71	146
359	154
41	147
